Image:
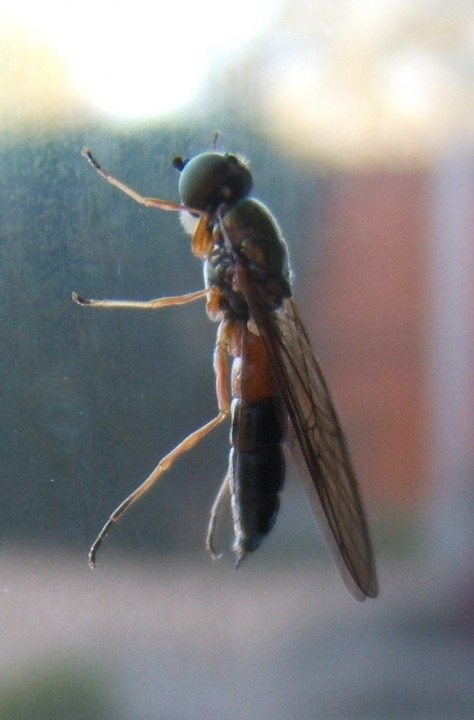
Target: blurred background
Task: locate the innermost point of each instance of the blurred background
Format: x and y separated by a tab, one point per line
358	120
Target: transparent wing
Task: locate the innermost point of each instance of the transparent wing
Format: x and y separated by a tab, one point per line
319	446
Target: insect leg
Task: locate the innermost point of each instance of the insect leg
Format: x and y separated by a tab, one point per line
155	304
221	369
223	398
163	466
216	511
149	202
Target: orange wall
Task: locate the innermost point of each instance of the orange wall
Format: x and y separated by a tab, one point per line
369	313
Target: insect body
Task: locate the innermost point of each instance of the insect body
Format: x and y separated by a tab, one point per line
266	373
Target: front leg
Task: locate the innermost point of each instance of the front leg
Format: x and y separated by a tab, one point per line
138	197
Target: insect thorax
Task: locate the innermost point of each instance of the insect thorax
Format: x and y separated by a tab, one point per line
247	233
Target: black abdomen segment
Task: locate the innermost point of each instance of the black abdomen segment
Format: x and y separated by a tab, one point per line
257	470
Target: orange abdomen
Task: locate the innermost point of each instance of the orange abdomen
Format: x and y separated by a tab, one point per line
257	464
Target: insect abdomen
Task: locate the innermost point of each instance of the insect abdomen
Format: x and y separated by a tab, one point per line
257	470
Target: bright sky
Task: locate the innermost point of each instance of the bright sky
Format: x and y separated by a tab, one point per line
140	59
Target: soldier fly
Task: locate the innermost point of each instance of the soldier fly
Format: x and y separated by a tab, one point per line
267	377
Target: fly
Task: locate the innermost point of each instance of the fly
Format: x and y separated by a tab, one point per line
268	380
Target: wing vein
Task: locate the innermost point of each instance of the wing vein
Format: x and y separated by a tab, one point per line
319	449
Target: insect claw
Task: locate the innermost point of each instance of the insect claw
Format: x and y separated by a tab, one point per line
79	299
215	555
87	153
91	559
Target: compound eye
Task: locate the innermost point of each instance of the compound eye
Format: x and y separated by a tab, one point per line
211	178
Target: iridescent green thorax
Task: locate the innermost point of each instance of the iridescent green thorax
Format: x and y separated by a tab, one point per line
247	233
